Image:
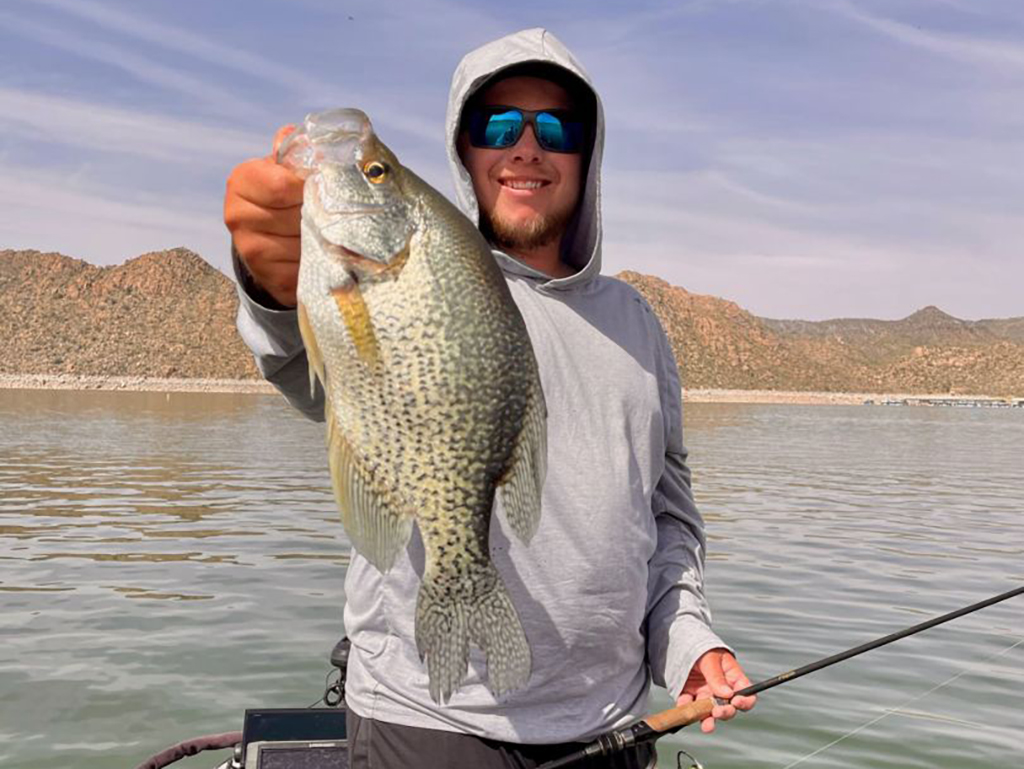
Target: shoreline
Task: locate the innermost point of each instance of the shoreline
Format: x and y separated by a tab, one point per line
813	398
260	387
795	397
134	384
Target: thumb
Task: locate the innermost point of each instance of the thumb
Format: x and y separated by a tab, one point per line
279	137
714	676
684	698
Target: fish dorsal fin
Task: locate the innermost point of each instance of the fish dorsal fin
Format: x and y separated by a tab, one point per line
313	354
522	484
373	525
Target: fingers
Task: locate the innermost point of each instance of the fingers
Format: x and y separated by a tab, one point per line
263	211
246	215
265	183
737	679
273	261
711	665
717	674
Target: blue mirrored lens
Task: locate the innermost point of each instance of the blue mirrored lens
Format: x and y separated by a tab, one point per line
551	132
503	129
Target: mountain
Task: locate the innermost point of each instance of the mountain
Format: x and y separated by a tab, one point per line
162	314
718	344
170	314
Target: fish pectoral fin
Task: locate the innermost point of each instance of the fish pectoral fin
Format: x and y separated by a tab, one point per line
376	530
521	487
356	316
313	354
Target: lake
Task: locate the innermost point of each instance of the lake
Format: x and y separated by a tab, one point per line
169	560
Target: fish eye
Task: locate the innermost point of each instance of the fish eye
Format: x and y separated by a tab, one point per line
375	171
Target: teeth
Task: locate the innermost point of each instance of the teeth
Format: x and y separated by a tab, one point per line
522	185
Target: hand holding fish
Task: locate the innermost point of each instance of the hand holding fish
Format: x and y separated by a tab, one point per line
262	209
716	673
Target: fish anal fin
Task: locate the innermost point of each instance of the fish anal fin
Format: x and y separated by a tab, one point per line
376	529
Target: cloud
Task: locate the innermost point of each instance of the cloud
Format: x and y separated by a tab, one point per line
173	38
812	257
976	50
50	211
96	127
303	83
221	100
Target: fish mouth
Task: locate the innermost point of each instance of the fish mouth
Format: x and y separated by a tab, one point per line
332	136
357	265
339	123
339	207
346	256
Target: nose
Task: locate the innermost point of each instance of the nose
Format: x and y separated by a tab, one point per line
527	149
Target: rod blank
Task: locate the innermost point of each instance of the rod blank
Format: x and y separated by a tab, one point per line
783	678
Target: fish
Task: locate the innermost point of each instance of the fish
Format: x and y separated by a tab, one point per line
433	398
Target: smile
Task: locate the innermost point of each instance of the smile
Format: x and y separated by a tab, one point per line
523	184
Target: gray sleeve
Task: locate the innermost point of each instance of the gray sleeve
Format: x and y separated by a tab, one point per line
678	617
272	334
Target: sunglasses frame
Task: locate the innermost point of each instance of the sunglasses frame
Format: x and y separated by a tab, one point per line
529	117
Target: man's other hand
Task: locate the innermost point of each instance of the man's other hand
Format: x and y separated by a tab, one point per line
716	673
262	209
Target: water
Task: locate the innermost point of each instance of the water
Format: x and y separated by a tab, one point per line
168	561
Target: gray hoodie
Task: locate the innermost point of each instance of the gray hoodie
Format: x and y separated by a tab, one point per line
610	590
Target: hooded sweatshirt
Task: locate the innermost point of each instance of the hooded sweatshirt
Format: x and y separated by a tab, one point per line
610	589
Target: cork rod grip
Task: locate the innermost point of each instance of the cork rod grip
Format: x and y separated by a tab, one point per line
675	718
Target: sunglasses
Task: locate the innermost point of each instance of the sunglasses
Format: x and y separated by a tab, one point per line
496	128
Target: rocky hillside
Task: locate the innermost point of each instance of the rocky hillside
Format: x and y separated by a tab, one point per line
719	344
170	314
163	314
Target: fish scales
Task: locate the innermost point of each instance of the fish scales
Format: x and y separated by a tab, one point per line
433	396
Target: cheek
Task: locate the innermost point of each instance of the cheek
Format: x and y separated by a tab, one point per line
481	182
478	168
570	169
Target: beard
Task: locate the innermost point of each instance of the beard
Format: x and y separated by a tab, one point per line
539	231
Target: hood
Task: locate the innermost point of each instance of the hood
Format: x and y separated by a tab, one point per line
581	247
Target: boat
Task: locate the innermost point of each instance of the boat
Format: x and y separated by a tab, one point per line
280	738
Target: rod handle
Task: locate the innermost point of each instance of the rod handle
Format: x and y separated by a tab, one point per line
678	717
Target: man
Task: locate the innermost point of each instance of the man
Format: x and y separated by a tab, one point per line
610	591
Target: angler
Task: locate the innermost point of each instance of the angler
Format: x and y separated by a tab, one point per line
609	591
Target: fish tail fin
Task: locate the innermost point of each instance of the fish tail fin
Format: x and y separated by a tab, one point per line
447	618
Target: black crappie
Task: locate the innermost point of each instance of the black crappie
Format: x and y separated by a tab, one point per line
432	391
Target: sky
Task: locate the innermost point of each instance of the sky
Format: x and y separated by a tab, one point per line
804	158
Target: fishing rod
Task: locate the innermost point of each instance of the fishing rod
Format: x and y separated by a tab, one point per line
672	720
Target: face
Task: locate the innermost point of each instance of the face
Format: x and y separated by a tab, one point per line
526	195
